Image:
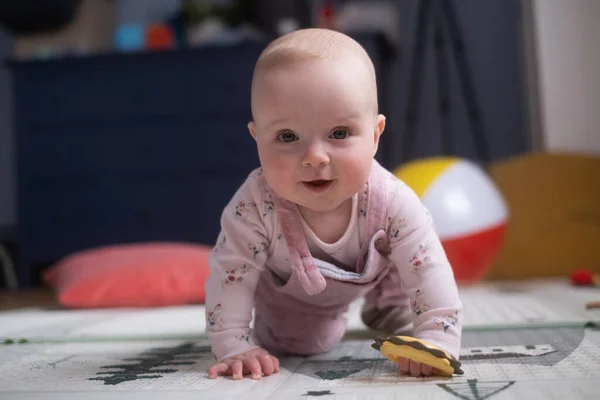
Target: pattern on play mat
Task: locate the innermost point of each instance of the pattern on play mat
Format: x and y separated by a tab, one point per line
496	363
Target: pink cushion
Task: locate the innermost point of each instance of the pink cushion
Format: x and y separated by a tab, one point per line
132	275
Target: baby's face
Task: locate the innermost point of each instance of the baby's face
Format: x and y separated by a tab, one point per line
317	130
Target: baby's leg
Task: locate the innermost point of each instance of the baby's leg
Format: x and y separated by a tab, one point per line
387	307
284	331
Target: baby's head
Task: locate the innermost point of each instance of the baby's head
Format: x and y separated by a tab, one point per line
315	117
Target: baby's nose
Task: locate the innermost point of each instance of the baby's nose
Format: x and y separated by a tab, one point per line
315	156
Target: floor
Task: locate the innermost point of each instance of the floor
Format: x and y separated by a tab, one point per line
529	341
37	297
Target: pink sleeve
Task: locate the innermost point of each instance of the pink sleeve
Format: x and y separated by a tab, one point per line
426	274
235	264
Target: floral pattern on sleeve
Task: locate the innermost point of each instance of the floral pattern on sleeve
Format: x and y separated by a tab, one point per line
420	257
214	318
257	248
395	226
235	275
418	304
246	336
268	207
243	209
449	321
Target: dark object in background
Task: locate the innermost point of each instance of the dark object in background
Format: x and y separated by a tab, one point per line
195	11
440	13
26	17
263	14
266	14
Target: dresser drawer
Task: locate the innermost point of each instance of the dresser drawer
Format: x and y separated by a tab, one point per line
221	145
222	88
63	220
52	156
211	194
56	222
140	149
100	92
156	209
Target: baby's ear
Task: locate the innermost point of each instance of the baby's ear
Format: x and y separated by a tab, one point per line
379	128
252	129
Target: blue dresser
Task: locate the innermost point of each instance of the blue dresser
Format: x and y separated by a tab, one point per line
126	148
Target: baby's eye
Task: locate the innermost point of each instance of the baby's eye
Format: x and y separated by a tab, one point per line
287	137
339	134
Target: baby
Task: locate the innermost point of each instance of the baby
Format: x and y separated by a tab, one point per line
321	223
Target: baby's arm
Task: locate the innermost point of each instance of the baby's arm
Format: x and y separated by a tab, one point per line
425	272
235	265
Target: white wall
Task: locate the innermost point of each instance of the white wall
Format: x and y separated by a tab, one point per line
567	41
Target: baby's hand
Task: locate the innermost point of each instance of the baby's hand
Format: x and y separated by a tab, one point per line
415	368
256	362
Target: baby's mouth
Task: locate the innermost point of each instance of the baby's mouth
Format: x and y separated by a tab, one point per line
317	186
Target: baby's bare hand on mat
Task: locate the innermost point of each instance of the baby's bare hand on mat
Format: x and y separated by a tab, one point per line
255	362
415	368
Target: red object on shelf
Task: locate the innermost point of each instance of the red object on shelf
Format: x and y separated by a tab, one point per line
584	277
160	37
326	16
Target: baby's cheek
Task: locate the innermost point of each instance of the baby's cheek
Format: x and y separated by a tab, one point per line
281	162
277	171
357	170
273	158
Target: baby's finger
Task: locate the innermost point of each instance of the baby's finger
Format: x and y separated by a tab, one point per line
427	370
254	367
266	362
404	364
236	369
275	363
415	368
217	369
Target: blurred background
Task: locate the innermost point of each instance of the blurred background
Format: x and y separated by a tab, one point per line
124	121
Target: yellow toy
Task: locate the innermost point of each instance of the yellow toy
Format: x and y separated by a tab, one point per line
394	347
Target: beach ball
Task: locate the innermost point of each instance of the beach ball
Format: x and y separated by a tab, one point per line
469	212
